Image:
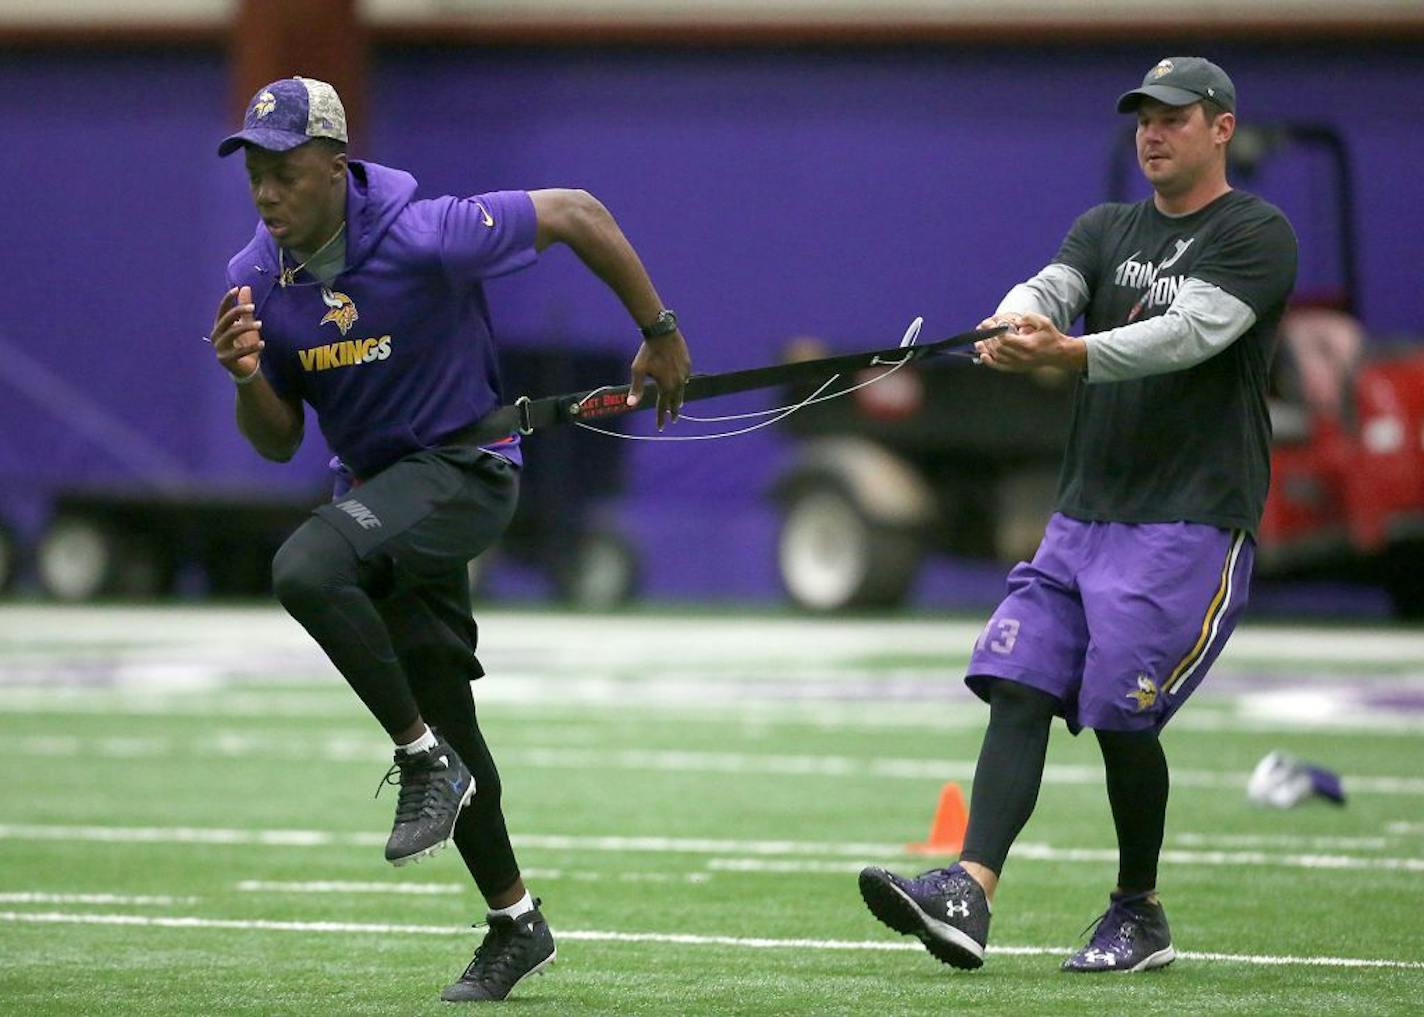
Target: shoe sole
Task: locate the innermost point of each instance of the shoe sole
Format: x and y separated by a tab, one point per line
1152	962
427	852
537	969
895	909
1156	961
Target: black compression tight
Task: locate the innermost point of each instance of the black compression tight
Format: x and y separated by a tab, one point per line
1009	771
480	835
1137	791
322	584
406	653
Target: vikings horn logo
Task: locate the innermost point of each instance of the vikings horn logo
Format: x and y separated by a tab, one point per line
266	103
1165	67
343	310
1145	694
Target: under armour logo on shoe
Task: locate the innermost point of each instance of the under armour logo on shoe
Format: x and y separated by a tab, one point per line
1100	957
957	907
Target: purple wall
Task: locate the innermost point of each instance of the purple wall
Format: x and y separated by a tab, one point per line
117	220
840	194
771	193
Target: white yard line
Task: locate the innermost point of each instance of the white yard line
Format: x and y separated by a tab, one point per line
39	897
660	938
787	866
644	760
720	636
1279	840
553	657
436	889
804	700
553	842
1048	853
186	835
351	887
350	749
728	851
702	845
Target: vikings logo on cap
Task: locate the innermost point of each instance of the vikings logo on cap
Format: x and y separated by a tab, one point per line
266	103
1145	694
1164	67
343	310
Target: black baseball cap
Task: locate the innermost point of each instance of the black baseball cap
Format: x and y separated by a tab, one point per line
1180	81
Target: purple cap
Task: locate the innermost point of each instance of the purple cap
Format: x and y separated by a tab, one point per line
1283	781
289	113
1326	783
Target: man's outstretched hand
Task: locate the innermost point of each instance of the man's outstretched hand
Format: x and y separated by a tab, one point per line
1032	341
666	361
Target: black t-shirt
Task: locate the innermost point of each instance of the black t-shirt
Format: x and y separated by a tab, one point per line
1190	445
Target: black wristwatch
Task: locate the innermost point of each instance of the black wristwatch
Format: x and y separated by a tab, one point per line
663	324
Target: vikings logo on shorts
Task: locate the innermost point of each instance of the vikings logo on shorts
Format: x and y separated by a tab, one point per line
266	103
343	310
1145	694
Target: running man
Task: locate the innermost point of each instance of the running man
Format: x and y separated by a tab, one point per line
1144	566
367	304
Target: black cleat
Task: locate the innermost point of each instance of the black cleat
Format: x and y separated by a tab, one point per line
945	908
513	950
1132	935
434	786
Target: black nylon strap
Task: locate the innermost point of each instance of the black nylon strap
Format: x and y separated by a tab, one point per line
526	415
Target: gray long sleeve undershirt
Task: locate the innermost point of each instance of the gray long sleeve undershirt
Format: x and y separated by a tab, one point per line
1202	321
1059	293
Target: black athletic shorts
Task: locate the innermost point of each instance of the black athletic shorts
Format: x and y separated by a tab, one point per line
430	511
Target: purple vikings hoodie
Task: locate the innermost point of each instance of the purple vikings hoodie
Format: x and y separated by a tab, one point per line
396	353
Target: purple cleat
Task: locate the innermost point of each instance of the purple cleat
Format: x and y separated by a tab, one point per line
1132	935
945	908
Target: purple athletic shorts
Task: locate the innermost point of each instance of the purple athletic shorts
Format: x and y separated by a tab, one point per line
1119	621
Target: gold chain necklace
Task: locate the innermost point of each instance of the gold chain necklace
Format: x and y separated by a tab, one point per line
288	276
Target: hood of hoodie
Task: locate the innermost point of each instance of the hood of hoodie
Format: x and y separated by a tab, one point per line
375	197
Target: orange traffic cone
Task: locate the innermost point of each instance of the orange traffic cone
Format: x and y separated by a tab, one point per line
950	821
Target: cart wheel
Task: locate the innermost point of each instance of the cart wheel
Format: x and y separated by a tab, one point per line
832	557
1404	580
79	559
602	572
76	559
9	558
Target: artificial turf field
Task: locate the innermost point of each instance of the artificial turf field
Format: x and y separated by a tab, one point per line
186	823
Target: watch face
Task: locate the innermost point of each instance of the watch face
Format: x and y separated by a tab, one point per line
664	323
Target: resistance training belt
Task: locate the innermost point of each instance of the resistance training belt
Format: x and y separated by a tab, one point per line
525	414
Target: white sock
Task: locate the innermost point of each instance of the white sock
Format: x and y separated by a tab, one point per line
425	741
522	906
